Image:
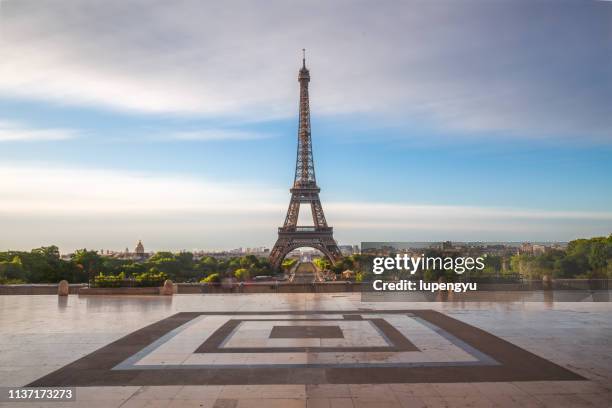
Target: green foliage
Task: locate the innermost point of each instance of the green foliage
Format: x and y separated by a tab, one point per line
151	278
12	270
152	275
4	281
344	264
288	264
108	281
43	265
213	277
588	258
241	274
322	263
89	261
208	264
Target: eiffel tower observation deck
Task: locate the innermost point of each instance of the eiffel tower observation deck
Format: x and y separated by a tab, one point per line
304	191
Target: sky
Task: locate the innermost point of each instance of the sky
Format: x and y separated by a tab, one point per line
176	122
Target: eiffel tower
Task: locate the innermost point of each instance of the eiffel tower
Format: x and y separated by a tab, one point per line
304	190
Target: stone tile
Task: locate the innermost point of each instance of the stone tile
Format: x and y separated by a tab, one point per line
560	387
566	401
202	403
297	332
196	392
456	390
105	393
495	389
263	391
146	403
317	403
416	390
469	401
226	403
272	403
512	401
341	403
372	392
359	403
411	402
435	402
157	392
95	404
598	400
327	390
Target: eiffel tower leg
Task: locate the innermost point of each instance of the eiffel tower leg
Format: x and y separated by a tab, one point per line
317	213
332	249
280	249
293	212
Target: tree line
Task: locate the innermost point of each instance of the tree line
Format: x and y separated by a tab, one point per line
583	258
44	265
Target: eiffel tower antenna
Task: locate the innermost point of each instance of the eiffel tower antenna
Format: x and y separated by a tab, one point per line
304	191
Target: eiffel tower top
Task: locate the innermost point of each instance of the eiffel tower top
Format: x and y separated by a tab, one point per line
304	166
304	73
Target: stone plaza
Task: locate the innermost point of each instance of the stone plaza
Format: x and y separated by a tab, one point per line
306	350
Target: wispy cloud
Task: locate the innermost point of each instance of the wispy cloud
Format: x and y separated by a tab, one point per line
16	132
48	204
46	190
524	68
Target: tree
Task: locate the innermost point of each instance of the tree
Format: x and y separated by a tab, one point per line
288	264
167	263
214	277
161	255
186	260
45	266
12	271
208	264
90	261
321	263
241	274
570	266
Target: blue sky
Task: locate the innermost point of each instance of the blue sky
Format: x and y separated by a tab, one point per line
176	124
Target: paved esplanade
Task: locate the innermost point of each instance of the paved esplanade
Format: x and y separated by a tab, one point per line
304	349
305	273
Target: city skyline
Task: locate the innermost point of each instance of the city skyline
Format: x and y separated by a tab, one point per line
491	125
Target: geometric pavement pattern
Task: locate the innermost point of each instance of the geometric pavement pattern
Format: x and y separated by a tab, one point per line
315	347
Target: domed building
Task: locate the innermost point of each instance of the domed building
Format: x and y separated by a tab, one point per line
140	252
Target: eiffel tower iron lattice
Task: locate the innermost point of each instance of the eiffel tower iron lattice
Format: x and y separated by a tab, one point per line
304	191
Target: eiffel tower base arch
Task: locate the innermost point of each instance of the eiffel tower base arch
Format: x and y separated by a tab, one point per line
289	240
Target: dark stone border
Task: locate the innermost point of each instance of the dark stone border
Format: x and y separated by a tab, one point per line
213	343
306	332
515	363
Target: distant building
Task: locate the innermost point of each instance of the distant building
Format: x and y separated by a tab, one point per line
139	249
533	249
139	253
447	245
540	249
346	250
